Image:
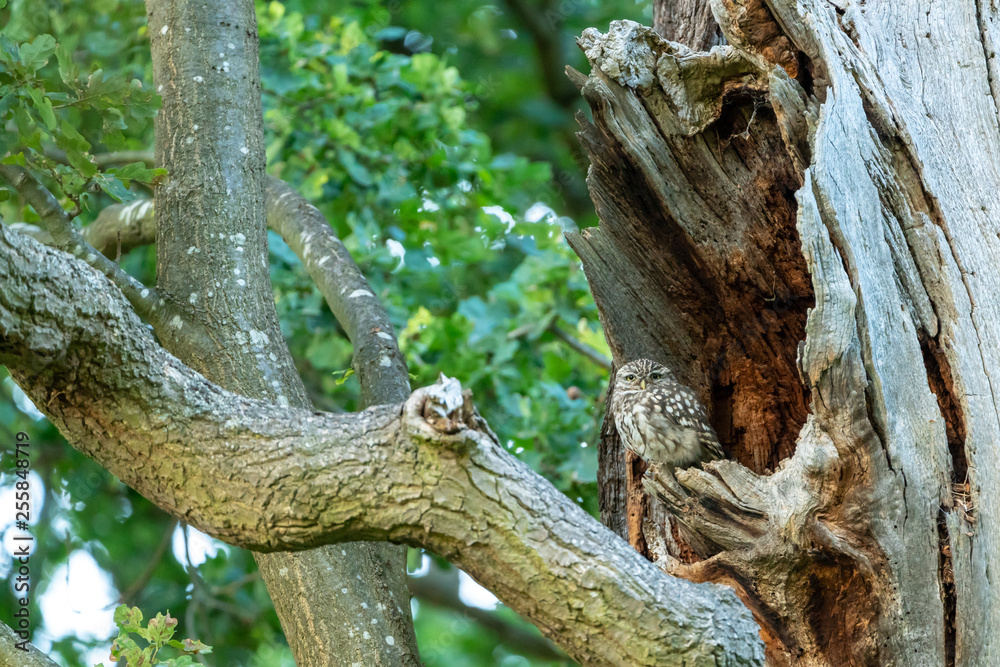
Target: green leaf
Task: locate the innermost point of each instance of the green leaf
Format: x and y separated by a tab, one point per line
183	661
196	646
128	618
70	138
137	171
81	162
190	646
69	71
43	105
160	628
358	173
113	119
107	93
9	49
36	54
340	377
6	102
114	187
16	158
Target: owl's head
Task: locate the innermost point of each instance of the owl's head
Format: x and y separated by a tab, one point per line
642	374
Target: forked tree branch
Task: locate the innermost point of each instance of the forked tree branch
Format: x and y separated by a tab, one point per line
427	473
381	368
146	301
377	359
66	237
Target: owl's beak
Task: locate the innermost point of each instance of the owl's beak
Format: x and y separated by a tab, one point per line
642	383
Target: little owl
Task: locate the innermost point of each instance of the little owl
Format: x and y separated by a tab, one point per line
660	419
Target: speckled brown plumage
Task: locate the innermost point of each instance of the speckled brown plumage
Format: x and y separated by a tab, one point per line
660	419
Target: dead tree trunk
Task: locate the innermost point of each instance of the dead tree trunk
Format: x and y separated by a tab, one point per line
803	224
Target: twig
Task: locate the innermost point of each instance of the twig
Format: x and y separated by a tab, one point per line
434	589
66	237
105	160
158	311
581	347
147	574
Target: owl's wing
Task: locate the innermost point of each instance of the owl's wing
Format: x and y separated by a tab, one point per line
682	407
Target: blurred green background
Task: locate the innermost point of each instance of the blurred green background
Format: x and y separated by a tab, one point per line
438	138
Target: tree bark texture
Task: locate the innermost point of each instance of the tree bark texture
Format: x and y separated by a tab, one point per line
212	261
689	22
10	654
803	224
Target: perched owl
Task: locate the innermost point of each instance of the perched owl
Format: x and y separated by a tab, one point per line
660	419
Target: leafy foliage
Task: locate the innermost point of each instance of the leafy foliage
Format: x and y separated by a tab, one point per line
156	635
513	54
69	114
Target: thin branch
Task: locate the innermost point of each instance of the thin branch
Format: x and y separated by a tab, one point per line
543	22
47	207
380	366
147	574
553	326
165	318
66	237
438	588
105	160
581	347
122	227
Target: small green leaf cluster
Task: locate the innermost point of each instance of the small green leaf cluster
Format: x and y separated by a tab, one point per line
156	635
56	116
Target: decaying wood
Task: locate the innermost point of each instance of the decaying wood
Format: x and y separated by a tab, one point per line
802	225
710	278
689	22
611	483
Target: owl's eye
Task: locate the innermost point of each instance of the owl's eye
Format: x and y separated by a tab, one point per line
630	377
654	376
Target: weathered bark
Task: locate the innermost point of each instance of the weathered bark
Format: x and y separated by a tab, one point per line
260	475
10	654
212	261
611	483
380	366
689	22
688	300
800	224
